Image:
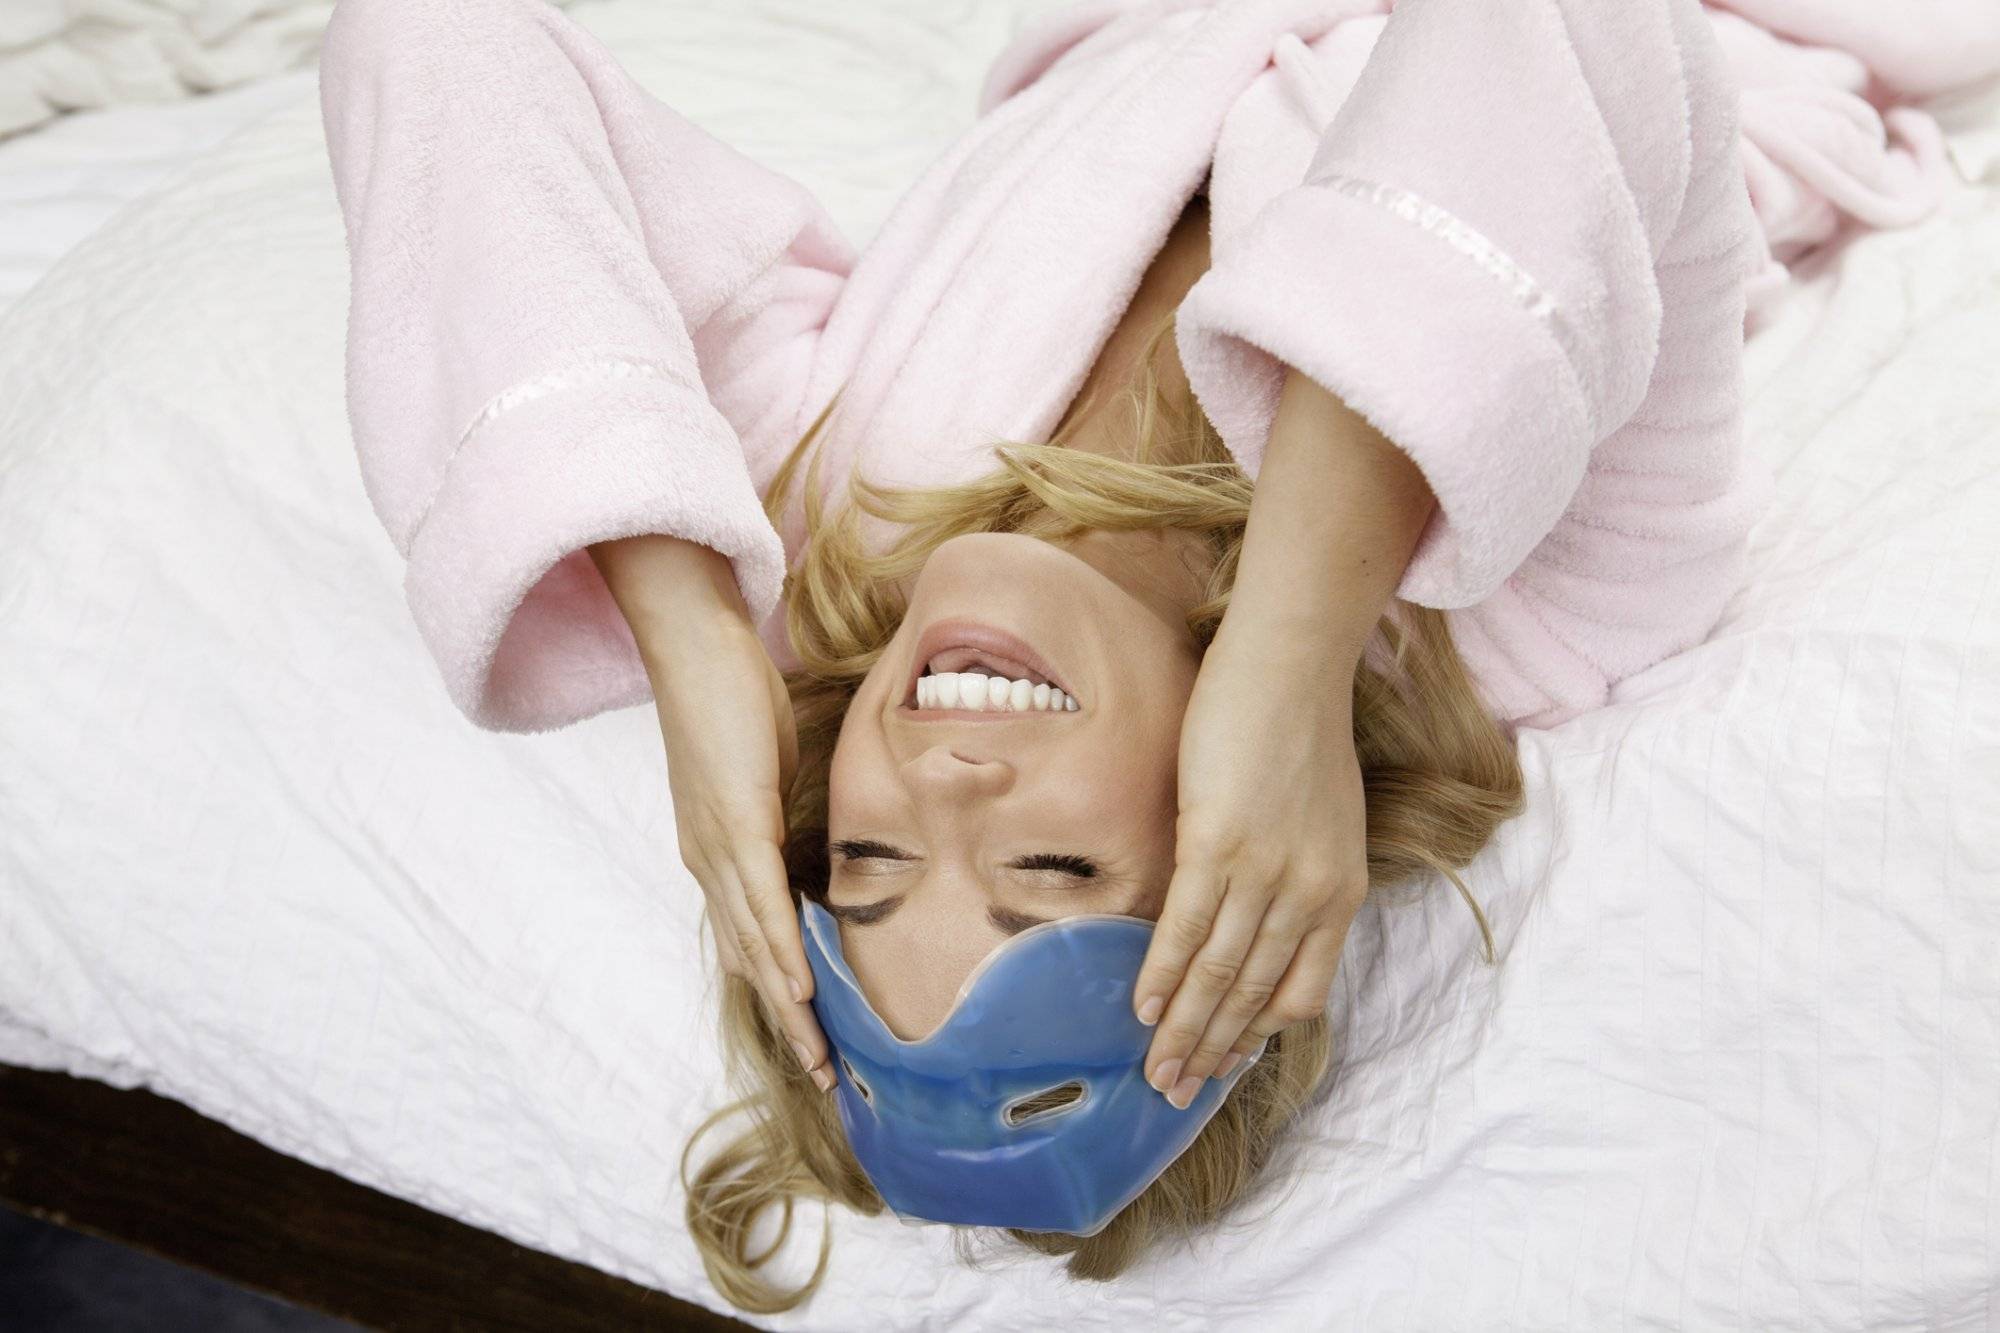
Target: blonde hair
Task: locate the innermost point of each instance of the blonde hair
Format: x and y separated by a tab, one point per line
1439	775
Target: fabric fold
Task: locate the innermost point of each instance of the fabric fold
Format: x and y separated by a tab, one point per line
1348	290
502	588
1468	264
538	249
1519	237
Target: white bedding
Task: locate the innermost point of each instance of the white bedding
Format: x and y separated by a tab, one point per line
63	55
61	182
1739	1065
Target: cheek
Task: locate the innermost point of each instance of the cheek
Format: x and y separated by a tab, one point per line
882	685
1131	787
1147	755
849	770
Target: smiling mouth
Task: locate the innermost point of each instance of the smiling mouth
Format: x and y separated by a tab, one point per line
966	670
980	694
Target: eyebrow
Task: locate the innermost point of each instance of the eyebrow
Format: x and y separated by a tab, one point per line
1007	920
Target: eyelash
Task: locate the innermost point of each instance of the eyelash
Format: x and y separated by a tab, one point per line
1068	863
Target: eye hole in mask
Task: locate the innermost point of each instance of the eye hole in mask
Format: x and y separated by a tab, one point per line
1045	1104
860	1083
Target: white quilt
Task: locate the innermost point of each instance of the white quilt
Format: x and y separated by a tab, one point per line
1738	1066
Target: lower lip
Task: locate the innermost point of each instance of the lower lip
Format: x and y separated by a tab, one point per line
980	638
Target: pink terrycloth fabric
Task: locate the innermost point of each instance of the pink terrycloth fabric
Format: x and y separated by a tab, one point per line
1519	237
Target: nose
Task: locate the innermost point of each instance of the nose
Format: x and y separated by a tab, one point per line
944	774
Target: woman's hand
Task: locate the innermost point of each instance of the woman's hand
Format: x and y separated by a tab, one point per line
732	749
1270	852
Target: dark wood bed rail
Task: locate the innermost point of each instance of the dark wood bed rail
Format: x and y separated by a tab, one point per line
149	1172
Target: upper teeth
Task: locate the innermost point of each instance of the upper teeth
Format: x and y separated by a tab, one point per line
977	692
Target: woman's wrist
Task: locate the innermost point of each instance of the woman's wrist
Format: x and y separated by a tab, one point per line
1337	512
676	595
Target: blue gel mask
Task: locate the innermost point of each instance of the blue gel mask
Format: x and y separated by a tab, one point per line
948	1128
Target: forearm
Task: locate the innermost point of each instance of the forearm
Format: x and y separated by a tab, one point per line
1336	515
672	592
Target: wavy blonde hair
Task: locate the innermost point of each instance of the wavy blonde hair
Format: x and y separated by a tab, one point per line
1439	774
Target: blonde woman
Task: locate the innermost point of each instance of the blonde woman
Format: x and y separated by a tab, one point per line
1255	415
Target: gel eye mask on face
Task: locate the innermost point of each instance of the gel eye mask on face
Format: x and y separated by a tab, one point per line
1028	1107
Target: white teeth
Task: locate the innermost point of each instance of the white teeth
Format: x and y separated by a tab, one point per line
978	693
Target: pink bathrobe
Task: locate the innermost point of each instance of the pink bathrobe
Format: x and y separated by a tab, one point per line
1516	236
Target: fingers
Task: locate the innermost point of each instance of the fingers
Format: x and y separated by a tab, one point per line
1255	988
1211	974
1192	899
1301	993
773	956
727	956
768	891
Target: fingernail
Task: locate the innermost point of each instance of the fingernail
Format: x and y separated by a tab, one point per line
805	1056
1229	1062
1163	1077
823	1077
1149	1012
1184	1092
798	991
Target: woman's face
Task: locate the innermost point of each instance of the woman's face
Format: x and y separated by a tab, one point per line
953	830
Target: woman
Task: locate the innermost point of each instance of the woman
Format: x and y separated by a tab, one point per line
1475	340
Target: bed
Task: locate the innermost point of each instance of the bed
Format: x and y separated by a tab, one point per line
1738	1064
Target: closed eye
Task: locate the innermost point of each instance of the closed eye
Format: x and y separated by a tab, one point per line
1067	863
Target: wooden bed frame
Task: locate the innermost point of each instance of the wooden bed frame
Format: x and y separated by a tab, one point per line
150	1173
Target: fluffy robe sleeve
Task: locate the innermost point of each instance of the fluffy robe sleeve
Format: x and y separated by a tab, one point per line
574	316
1469	262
